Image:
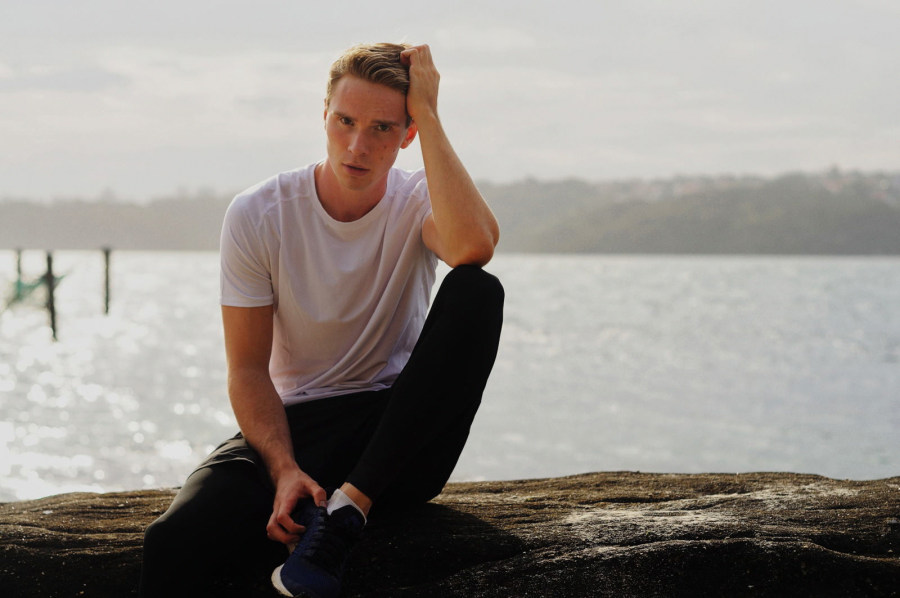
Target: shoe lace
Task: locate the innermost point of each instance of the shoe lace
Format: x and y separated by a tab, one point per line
330	544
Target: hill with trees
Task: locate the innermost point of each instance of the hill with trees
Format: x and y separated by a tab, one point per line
830	213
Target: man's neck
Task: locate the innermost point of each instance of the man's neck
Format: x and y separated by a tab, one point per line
345	205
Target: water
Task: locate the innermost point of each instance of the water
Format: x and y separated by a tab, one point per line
664	364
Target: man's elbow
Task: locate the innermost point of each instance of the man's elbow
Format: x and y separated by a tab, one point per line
475	253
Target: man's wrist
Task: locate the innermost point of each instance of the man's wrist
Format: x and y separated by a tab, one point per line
282	467
427	121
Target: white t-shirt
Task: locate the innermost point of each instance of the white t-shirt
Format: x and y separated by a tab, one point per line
350	298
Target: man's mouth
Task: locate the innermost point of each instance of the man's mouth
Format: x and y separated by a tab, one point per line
357	170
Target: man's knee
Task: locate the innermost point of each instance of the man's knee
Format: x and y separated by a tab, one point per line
166	535
197	512
475	287
162	557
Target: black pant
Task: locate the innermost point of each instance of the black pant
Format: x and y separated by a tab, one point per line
398	446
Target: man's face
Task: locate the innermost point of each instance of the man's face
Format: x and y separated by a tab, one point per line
365	124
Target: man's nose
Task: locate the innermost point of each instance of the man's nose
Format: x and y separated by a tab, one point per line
358	143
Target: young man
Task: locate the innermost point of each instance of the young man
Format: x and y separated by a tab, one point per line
345	394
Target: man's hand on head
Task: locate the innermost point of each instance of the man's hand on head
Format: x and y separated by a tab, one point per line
424	79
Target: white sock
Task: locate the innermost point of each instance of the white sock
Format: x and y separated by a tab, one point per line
339	499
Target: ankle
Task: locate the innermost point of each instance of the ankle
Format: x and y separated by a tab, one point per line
355	497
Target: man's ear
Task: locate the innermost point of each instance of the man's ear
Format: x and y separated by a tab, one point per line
410	135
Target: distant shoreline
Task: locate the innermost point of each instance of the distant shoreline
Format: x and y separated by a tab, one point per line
829	213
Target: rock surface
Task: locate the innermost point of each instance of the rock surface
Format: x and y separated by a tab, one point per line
603	534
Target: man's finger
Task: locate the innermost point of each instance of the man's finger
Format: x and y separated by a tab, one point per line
406	55
319	496
288	524
275	532
282	528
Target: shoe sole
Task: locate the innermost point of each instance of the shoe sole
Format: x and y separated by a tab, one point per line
279	585
276	581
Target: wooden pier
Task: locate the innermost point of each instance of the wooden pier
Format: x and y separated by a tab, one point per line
22	288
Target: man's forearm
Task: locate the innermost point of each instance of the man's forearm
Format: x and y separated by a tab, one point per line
467	227
262	420
462	229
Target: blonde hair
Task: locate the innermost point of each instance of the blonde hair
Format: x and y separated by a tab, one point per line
377	63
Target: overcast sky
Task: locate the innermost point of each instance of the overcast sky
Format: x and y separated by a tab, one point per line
148	98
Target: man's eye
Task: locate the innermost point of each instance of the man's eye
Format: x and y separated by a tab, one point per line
346	120
382	128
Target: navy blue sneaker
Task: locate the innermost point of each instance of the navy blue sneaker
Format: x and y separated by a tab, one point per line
316	565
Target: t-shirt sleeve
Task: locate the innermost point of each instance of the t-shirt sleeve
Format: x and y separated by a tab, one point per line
245	277
421	191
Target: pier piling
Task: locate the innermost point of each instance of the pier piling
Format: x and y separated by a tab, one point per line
106	257
50	282
23	289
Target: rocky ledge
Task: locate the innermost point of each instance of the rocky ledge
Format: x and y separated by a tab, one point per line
602	534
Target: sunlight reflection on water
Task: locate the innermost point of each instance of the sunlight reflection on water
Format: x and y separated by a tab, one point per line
653	364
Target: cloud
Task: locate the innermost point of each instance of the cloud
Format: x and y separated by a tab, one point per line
546	89
483	38
77	79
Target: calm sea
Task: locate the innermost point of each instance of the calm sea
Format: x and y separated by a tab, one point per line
663	364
